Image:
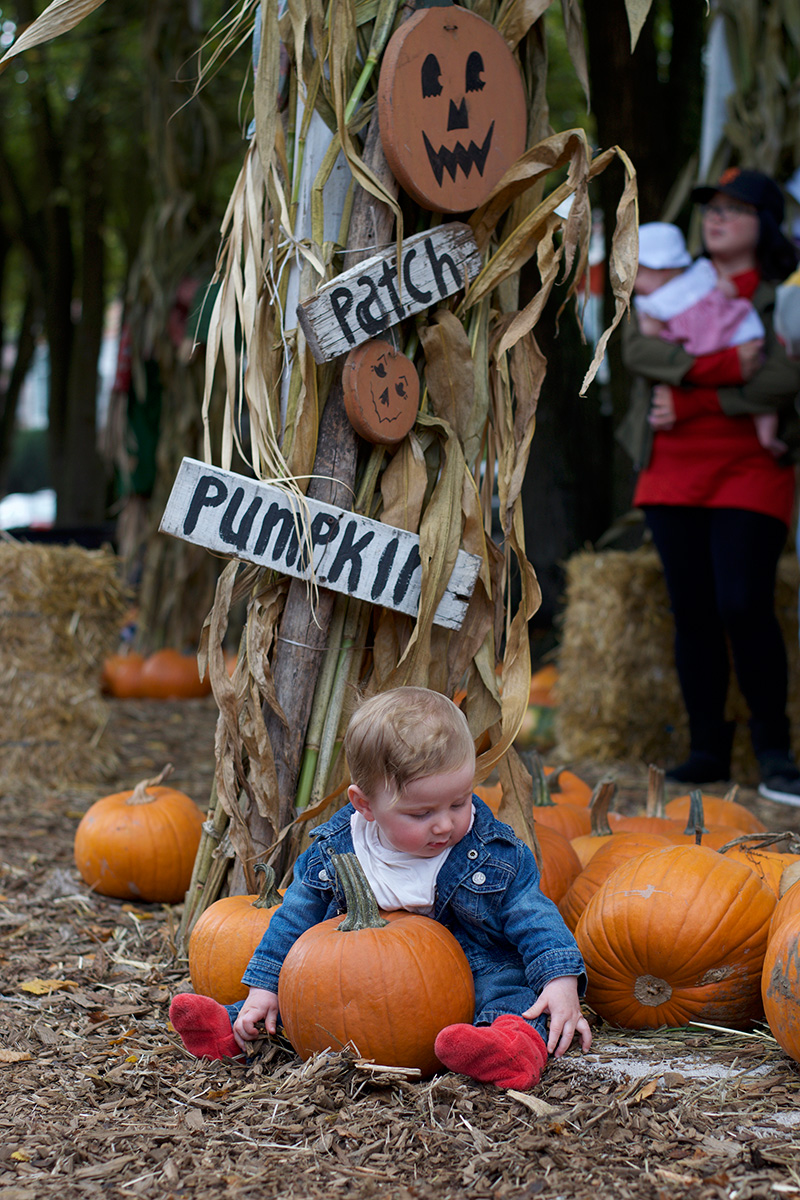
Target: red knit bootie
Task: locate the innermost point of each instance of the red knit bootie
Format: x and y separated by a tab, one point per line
204	1026
509	1052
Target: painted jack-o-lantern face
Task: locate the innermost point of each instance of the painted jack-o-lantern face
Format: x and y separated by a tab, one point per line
451	108
381	392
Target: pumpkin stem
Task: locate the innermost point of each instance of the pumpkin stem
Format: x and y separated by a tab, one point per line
731	794
762	841
268	896
362	907
696	816
655	792
554	780
540	794
599	805
139	795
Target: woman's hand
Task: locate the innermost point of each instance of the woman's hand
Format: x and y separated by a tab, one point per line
260	1005
559	998
662	408
750	357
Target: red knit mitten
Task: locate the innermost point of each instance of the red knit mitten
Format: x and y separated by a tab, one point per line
204	1026
509	1052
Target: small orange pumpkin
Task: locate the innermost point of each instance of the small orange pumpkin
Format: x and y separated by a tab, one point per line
719	810
780	987
225	936
788	906
760	853
491	794
169	675
387	983
568	819
567	787
542	687
140	844
122	675
586	845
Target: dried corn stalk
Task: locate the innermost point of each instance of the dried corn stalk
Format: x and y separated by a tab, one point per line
482	371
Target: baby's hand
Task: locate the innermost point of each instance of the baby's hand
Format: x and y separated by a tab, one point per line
560	999
767	433
260	1005
649	326
750	357
662	407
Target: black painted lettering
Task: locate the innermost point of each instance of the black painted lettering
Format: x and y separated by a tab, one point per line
414	292
438	265
238	537
372	322
387	280
275	514
350	552
341	303
384	567
406	572
209	493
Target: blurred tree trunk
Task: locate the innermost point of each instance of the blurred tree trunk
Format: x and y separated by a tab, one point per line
650	103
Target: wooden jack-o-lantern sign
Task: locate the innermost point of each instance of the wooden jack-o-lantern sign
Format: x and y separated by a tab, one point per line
451	104
381	392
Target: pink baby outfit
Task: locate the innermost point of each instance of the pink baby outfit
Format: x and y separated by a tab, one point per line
698	315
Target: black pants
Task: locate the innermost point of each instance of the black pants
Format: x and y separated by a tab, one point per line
720	565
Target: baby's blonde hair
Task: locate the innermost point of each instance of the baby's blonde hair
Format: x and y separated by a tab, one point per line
405	734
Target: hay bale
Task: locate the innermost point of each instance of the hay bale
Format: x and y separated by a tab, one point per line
618	688
61	609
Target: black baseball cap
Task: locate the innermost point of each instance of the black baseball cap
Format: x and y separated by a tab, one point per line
751	187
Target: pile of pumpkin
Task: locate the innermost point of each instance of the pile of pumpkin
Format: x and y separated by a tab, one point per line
688	912
164	675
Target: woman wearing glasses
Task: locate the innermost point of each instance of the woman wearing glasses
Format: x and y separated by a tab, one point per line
719	503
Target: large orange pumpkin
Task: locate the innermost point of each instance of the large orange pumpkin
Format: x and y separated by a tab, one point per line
140	844
169	675
619	848
387	984
780	987
122	675
674	936
225	936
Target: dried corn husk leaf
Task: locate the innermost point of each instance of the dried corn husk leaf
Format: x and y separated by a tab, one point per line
403	486
59	17
637	11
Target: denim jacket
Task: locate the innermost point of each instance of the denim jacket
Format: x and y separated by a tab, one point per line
487	895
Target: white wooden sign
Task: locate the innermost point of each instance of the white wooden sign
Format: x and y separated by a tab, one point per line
243	518
372	296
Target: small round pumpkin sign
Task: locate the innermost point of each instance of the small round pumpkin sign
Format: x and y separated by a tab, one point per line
381	392
451	105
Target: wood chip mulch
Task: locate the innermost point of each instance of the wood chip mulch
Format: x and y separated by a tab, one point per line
99	1099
